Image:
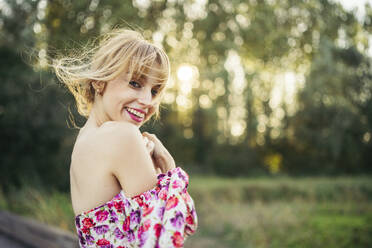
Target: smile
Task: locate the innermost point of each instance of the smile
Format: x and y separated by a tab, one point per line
135	115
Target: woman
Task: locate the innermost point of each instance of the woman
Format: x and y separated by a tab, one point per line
126	190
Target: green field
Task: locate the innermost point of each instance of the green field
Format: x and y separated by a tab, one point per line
280	212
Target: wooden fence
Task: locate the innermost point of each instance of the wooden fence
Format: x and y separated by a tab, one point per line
21	232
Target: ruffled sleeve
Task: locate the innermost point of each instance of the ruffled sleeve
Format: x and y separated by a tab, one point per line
161	217
168	215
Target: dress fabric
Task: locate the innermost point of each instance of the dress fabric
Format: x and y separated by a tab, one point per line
163	216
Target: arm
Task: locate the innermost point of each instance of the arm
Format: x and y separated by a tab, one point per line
128	158
162	159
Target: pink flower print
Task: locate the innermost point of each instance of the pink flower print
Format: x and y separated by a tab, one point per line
81	238
147	195
118	234
119	205
171	203
176	184
189	220
103	243
146	225
161	212
77	222
157	189
139	221
101	215
89	239
178	221
158	229
126	224
126	203
139	200
143	228
88	222
86	230
135	217
142	236
101	229
163	194
131	236
177	239
189	230
186	197
184	177
147	210
113	216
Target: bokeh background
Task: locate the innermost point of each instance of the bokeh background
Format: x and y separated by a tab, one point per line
269	109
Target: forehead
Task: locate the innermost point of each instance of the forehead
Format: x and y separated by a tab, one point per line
154	75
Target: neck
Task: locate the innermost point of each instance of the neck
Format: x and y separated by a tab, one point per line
97	116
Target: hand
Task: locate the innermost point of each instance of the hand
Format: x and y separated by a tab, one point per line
150	148
160	155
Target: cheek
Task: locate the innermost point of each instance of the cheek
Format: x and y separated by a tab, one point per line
151	112
112	102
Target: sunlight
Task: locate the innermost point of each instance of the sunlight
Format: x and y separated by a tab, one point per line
237	87
237	128
184	73
285	88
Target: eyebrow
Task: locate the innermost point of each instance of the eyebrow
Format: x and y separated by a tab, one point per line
144	78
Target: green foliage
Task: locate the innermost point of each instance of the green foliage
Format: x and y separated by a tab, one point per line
267	190
33	128
282	212
325	130
334	116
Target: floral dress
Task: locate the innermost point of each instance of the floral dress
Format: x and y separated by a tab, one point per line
163	216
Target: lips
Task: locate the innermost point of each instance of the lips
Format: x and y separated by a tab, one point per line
135	115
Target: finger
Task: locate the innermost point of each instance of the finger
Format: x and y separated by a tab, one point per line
152	137
145	133
150	145
149	135
151	148
146	140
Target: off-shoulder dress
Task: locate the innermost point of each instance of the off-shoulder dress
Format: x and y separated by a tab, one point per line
163	216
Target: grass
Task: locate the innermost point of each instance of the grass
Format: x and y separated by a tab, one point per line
262	212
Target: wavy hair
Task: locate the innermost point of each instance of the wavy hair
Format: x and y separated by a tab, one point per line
118	50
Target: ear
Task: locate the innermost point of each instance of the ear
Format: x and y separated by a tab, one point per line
98	86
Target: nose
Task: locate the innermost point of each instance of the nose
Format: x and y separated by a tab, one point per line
145	98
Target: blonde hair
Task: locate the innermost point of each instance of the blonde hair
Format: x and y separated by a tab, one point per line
118	50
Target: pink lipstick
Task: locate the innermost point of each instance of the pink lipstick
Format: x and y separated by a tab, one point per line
134	117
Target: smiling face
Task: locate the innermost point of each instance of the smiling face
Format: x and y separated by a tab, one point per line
131	99
128	78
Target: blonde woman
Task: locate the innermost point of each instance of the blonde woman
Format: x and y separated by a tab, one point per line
126	190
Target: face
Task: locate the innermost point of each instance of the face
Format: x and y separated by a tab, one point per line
131	100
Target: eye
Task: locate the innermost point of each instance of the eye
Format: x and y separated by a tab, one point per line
134	84
154	92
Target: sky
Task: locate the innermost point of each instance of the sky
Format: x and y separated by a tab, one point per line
357	5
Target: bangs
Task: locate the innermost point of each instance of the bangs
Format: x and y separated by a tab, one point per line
151	62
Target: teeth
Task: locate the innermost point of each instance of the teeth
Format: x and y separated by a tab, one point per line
135	112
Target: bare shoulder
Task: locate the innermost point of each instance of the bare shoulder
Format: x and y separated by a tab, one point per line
107	134
110	142
113	126
118	133
123	150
